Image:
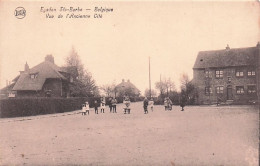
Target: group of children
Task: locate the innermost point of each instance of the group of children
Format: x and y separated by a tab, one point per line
102	105
168	103
85	108
112	105
147	102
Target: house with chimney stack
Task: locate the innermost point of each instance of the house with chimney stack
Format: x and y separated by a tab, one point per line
43	80
229	75
126	88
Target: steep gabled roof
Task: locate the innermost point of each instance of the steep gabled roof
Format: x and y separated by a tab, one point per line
227	58
44	71
126	85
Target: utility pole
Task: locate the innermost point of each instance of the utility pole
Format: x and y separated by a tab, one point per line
161	84
150	79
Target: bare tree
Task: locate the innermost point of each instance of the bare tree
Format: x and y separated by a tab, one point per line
147	93
165	86
108	89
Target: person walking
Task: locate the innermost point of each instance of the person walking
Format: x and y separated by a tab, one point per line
145	105
96	106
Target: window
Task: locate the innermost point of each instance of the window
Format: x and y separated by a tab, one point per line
33	76
219	73
240	90
229	79
208	90
251	89
219	89
251	72
239	73
208	74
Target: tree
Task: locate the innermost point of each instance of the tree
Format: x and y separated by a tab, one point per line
147	93
184	81
160	86
188	89
165	87
85	85
73	59
108	89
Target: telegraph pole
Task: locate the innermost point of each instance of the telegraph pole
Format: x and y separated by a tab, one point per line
150	79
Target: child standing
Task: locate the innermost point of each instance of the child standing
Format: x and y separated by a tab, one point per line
165	104
114	102
102	105
96	106
87	107
127	105
83	109
151	103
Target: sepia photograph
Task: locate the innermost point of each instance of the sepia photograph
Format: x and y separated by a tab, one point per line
129	83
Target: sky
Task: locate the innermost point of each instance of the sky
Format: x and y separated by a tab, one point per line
118	45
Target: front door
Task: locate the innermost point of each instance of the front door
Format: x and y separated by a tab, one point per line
229	93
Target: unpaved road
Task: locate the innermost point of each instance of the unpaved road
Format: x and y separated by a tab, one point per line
206	135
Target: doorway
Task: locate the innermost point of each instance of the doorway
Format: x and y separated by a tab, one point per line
229	92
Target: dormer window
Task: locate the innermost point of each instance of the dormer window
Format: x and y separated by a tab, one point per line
33	75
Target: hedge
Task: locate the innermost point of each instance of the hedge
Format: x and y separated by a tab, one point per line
17	107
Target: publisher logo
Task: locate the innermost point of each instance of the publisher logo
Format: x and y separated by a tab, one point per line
20	12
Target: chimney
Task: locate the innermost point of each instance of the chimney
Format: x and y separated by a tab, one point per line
49	58
123	80
128	80
258	45
26	67
227	48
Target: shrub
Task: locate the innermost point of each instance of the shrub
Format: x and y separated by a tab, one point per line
16	107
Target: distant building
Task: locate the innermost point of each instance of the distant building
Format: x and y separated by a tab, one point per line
44	80
228	75
127	88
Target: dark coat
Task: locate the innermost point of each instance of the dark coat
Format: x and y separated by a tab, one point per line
146	103
183	101
96	105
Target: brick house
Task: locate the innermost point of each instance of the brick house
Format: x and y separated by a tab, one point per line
228	75
44	80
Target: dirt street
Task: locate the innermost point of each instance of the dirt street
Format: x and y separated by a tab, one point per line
201	135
